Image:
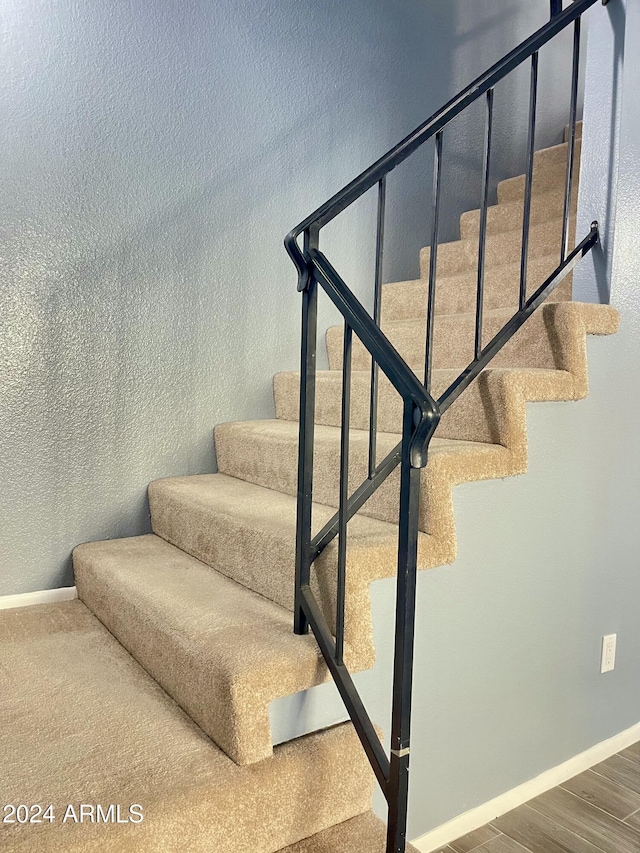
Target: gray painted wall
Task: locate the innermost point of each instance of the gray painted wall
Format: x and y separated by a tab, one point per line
152	159
507	664
507	681
153	156
604	73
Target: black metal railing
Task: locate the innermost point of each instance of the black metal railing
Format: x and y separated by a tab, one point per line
421	412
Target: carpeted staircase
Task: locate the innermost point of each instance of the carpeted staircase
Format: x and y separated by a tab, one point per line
201	609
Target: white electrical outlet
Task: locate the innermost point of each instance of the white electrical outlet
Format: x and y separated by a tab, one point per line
608	661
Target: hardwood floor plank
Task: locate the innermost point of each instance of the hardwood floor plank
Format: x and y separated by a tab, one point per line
502	844
603	793
595	826
474	839
446	849
632	752
634	821
620	770
539	834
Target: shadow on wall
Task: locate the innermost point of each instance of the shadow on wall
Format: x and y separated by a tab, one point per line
603	259
470	44
154	160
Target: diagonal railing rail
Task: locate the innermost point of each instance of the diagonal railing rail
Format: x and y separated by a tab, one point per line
421	411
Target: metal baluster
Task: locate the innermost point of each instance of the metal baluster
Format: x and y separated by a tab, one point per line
397	789
306	435
572	141
526	213
344	491
433	258
556	7
483	222
377	307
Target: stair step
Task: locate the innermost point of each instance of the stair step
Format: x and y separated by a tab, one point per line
82	722
478	414
462	255
362	834
536	344
549	173
508	215
456	294
248	533
265	453
221	651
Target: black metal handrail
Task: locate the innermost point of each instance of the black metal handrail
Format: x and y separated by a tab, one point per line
365	181
421	412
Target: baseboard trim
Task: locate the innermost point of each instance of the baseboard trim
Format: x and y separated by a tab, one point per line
43	596
481	815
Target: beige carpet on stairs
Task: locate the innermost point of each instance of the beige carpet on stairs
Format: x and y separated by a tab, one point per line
82	723
201	608
222	555
362	834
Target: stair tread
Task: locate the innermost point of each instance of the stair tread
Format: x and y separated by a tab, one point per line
555	223
506	312
456	292
81	722
196	621
362	834
270	511
443	372
451	277
265	453
248	532
279	429
542	341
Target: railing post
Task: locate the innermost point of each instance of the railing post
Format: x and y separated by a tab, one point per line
556	7
306	434
398	784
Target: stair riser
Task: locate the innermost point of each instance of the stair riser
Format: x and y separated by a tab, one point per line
549	171
264	560
274	465
127	584
556	155
550	178
508	216
472	418
457	294
531	346
462	255
271	462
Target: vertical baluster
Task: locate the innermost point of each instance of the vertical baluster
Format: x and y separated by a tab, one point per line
572	141
556	7
433	259
377	308
344	490
306	436
404	640
526	213
483	222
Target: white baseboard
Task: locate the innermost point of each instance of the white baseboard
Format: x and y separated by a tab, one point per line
481	815
43	596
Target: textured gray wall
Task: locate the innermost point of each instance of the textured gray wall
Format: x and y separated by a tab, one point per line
605	64
507	680
153	156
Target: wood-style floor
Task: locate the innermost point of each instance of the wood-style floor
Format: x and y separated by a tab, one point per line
595	812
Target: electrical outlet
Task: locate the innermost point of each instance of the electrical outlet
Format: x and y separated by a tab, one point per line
608	660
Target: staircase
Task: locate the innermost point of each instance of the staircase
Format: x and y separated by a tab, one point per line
154	688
